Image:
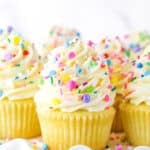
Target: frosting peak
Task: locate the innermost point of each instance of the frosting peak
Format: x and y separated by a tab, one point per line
76	77
19	66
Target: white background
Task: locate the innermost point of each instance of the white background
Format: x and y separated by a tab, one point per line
95	18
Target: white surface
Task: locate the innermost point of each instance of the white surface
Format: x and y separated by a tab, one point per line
142	148
17	144
95	18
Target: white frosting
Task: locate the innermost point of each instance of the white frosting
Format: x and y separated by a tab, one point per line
19	67
92	78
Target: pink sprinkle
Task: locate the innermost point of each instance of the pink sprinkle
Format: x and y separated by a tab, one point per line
126	36
71	55
8	57
118	147
117	38
110	70
109	86
107	98
90	43
72	84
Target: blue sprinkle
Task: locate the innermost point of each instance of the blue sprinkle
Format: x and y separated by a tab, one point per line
1	31
108	62
52	73
139	65
1	93
106	46
95	92
147	73
78	34
131	45
17	77
67	44
44	147
142	75
86	98
79	70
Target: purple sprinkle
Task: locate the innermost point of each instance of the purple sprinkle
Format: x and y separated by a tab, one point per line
85	83
9	29
86	98
137	48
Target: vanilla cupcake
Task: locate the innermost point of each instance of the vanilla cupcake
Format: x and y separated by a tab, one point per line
19	71
118	66
75	98
58	36
135	112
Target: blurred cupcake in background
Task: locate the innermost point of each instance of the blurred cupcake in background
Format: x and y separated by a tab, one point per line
75	98
58	36
135	111
121	54
19	71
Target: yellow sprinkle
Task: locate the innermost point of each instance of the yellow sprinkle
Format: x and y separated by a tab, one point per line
65	78
26	43
114	80
56	101
16	40
10	65
34	147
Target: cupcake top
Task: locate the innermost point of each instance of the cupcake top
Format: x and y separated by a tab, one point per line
116	60
139	85
19	66
135	43
58	36
76	78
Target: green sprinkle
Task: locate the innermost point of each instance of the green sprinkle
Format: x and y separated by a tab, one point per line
89	89
18	65
133	79
127	52
22	45
51	33
113	89
148	63
51	80
79	91
41	82
143	36
93	64
8	40
31	82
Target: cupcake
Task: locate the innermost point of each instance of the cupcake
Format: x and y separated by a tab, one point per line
113	52
121	54
74	103
135	111
19	71
58	36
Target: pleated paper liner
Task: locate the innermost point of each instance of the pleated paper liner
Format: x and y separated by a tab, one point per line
61	130
18	119
136	123
117	123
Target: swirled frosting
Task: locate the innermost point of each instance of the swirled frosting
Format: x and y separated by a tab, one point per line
19	66
116	60
139	86
121	55
58	36
75	78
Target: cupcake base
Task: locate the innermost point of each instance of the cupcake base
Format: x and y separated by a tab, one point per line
18	119
61	130
136	123
117	123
